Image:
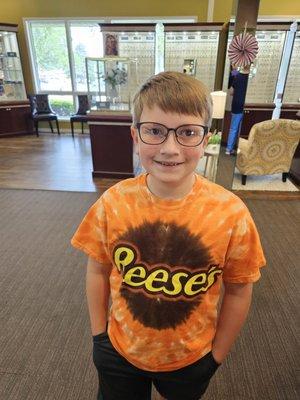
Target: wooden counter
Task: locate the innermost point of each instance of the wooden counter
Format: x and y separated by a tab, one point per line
111	143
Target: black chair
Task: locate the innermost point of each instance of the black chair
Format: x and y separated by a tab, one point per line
81	115
41	111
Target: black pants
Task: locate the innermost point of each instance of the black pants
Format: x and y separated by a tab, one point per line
120	380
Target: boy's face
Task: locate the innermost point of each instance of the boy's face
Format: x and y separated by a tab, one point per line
169	164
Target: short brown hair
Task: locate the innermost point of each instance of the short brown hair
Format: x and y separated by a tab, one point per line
173	92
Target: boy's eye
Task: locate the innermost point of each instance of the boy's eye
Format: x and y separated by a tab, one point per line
187	132
155	131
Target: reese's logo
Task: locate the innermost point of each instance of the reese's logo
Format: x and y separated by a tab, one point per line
163	265
161	279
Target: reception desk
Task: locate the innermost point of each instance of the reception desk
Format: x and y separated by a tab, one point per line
111	143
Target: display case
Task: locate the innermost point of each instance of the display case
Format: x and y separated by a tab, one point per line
14	107
135	42
11	76
193	49
110	81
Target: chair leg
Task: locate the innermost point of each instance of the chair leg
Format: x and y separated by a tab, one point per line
36	125
57	126
284	176
82	128
244	179
50	123
72	128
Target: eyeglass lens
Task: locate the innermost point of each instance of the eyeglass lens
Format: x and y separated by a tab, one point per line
187	135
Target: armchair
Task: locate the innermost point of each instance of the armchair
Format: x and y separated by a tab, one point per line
269	149
81	115
41	111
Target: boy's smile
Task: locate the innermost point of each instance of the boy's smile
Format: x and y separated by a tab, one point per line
170	165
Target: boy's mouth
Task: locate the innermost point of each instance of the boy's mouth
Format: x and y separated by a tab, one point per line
168	163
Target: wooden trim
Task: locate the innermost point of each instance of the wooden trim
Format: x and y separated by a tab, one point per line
99	116
127	27
120	123
271	26
266	195
15	106
257	106
115	175
291	106
8	27
193	27
14	103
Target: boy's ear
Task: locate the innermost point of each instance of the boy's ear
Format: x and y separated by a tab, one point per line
134	135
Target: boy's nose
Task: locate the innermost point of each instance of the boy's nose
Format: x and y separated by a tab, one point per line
170	145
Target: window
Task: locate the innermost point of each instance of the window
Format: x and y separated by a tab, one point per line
49	46
86	42
58	48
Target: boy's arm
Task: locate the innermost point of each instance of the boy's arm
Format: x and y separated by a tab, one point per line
234	310
97	292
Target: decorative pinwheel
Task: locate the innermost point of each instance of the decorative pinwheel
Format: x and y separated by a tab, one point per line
243	49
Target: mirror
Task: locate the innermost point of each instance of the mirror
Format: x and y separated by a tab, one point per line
189	66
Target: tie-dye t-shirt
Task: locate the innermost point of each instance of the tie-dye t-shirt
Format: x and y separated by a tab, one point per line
169	258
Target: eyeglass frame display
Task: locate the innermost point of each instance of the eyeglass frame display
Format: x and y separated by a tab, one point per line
12	86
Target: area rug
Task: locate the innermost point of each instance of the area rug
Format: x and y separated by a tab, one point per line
264	182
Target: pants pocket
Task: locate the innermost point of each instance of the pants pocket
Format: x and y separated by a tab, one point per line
214	362
100	336
100	344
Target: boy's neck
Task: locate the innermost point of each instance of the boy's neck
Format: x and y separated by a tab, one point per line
168	190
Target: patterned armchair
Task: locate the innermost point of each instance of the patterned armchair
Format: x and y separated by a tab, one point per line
269	149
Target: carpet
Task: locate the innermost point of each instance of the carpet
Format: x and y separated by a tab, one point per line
45	340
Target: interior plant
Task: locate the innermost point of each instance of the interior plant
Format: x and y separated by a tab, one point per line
115	76
215	138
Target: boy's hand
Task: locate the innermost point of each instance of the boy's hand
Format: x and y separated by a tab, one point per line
234	309
218	356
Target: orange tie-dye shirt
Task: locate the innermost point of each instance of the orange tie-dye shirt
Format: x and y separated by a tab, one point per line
169	258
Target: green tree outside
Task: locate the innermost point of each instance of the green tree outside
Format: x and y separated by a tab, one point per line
51	47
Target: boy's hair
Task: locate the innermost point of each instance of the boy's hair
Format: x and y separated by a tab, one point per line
173	92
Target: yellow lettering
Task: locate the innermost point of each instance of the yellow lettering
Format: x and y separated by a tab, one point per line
135	276
123	256
154	277
176	284
211	279
192	285
160	279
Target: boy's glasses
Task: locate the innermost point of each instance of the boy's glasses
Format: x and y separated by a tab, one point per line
186	135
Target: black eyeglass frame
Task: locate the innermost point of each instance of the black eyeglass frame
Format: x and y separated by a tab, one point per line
139	124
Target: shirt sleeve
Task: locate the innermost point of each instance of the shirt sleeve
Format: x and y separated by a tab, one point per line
244	256
91	235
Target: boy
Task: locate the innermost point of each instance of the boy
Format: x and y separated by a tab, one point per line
161	244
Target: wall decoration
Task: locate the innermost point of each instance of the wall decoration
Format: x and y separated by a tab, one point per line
243	49
111	44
